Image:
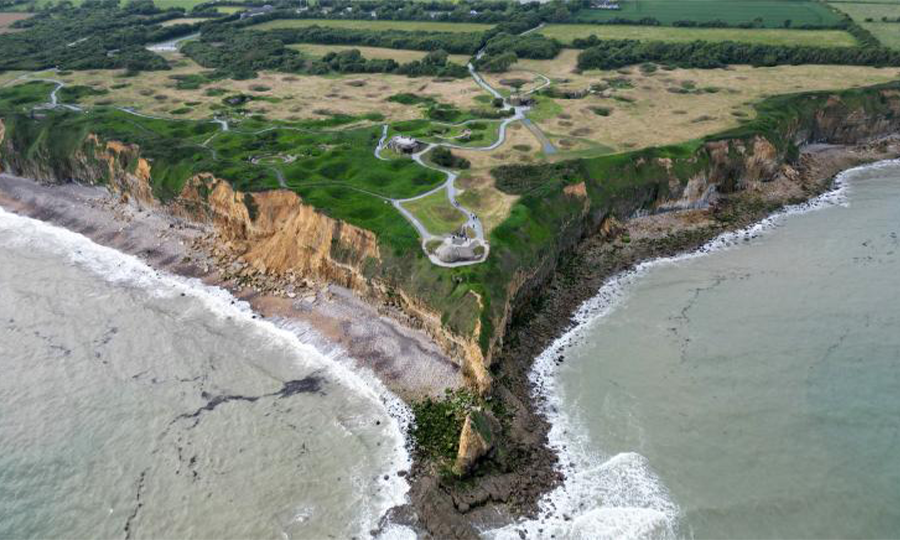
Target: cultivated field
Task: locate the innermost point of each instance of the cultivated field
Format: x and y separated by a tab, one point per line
886	33
402	56
638	109
276	96
773	13
769	36
186	4
375	25
6	20
186	20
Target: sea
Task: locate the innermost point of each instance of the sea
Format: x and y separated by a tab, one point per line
136	404
750	389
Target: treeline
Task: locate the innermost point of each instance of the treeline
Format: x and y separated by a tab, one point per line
99	34
452	42
434	64
477	11
241	55
534	46
718	23
611	54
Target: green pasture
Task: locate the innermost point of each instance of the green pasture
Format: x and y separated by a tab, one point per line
773	13
766	36
887	33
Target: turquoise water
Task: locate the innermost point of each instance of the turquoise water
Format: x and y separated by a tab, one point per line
750	392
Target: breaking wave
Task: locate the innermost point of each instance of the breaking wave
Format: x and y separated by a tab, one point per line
129	271
619	496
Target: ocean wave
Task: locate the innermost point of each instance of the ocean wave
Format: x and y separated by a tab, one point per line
620	496
127	270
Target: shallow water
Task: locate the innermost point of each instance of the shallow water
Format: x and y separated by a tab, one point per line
144	405
751	392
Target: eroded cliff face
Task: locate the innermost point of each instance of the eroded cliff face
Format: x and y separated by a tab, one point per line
277	234
274	232
718	167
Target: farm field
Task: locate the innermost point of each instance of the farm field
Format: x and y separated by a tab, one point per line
773	13
186	4
402	56
8	18
684	103
409	26
186	20
277	96
768	36
887	33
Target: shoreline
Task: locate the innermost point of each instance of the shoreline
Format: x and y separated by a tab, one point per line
504	498
328	316
405	360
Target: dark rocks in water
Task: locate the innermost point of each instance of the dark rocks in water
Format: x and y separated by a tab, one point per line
306	385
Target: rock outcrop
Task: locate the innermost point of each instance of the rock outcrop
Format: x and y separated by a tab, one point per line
476	440
277	233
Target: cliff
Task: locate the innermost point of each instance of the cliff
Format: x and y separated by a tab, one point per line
467	311
578	199
274	233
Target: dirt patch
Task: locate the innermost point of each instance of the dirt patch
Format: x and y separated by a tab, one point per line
7	19
287	96
703	101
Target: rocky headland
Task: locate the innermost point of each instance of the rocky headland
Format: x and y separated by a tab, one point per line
293	262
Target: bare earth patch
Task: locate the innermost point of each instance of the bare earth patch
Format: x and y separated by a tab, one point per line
6	20
284	96
665	107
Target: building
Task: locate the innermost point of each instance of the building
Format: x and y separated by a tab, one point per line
404	145
605	4
257	11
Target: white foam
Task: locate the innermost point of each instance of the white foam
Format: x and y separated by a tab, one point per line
127	270
619	496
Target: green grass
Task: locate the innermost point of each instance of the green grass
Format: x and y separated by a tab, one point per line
186	4
409	26
436	213
23	97
544	109
767	36
228	10
772	12
334	170
887	33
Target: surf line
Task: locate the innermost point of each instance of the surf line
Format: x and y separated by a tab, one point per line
123	269
619	496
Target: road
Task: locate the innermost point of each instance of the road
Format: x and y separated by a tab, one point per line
448	186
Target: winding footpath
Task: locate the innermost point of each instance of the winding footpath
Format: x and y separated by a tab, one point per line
454	241
472	222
